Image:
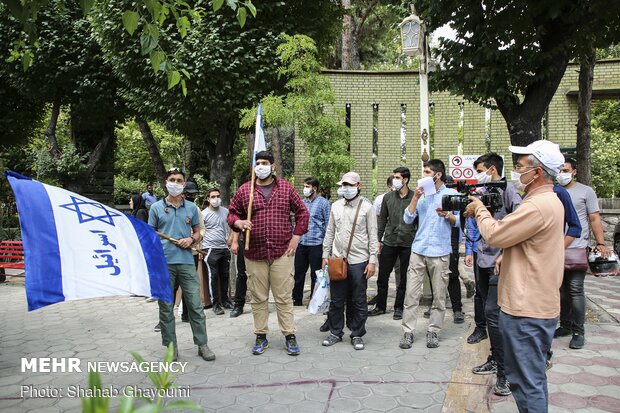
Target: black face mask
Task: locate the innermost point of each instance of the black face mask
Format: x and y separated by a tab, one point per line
190	198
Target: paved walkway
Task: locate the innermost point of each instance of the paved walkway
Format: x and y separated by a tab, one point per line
335	379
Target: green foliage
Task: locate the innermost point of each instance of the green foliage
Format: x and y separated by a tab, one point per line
125	187
162	381
605	146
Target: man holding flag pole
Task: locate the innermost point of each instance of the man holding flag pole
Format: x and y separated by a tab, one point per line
264	206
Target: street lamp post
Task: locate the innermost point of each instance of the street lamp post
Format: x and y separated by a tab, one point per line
413	38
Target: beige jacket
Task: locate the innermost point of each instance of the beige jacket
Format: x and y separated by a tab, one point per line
533	265
364	246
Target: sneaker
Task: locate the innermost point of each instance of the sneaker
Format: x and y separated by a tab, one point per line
292	348
577	342
325	326
548	365
228	305
471	289
260	345
358	343
488	367
432	341
477	336
502	387
407	341
205	352
157	327
562	332
331	340
373	301
236	311
459	317
218	310
398	314
427	314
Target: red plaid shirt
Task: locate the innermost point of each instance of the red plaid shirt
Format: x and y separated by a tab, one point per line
272	228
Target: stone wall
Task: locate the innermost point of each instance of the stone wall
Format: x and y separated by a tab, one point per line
610	218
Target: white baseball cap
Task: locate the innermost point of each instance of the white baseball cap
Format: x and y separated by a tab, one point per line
547	152
350	178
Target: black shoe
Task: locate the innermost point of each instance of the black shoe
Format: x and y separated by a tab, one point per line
373	301
218	310
375	311
228	305
398	314
562	332
477	336
577	342
502	387
489	367
298	303
459	317
325	326
236	311
471	289
427	314
432	341
157	327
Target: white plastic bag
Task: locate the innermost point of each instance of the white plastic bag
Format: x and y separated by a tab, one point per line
320	296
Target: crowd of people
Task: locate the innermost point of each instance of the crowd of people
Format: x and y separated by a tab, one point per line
522	287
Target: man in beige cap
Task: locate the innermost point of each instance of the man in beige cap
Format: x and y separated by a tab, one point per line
361	258
531	271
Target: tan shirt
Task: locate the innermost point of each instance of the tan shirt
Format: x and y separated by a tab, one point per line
533	265
364	245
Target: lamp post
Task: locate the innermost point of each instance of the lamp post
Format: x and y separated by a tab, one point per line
413	38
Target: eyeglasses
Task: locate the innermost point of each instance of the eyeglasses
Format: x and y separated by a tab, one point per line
174	169
518	166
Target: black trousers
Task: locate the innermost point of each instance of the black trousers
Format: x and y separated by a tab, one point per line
306	255
353	287
454	283
387	260
483	275
573	301
491	312
241	286
218	264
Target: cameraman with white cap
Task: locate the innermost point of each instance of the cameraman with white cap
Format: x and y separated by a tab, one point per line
531	272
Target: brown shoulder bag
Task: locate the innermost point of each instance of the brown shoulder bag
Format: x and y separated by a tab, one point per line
337	266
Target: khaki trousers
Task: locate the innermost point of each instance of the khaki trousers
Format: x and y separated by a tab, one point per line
439	271
277	275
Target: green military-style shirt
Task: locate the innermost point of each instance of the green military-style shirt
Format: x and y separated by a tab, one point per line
392	230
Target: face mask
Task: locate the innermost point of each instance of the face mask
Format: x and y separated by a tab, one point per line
564	178
515	180
397	184
348	192
435	178
262	171
174	189
215	202
191	198
308	192
482	177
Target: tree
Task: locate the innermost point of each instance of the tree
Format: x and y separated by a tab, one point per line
229	70
515	52
605	148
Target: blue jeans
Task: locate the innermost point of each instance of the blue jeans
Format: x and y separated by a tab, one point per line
526	343
354	286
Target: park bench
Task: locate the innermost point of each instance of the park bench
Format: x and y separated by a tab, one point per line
11	257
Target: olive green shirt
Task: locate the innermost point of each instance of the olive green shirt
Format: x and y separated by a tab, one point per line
392	230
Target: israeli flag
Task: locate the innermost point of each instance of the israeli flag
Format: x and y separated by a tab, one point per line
259	135
77	248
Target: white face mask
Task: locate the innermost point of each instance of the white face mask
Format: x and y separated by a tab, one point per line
348	192
215	202
262	171
174	189
397	184
308	192
564	178
482	177
515	180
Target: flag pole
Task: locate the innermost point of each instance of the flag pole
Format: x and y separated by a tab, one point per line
259	145
250	204
176	241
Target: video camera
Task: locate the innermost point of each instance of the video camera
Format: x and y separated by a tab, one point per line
492	198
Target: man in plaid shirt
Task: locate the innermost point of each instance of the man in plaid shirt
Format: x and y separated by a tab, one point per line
273	243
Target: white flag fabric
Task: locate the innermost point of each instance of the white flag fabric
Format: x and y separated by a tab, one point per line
77	248
259	135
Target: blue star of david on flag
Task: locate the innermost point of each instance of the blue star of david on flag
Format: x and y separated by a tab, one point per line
90	212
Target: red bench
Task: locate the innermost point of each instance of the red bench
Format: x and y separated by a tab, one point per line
11	256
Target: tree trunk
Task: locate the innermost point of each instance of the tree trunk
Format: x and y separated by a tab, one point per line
223	159
50	132
584	102
347	26
151	146
355	52
277	152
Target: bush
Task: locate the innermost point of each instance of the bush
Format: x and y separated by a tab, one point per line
125	187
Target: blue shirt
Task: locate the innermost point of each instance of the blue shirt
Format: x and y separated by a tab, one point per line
433	238
149	199
571	219
176	223
319	209
471	237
